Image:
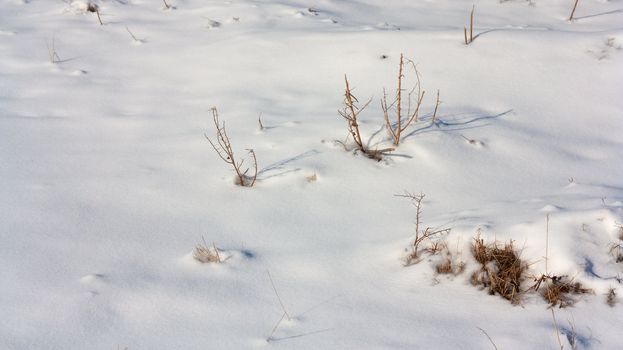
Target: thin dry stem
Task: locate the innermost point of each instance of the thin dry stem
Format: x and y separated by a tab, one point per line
575	5
225	151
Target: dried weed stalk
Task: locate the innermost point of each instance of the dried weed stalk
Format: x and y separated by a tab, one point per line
559	290
616	249
502	271
611	297
420	236
351	112
224	150
471	28
91	7
575	5
401	121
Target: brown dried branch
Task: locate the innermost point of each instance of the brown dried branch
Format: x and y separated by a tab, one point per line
225	151
351	112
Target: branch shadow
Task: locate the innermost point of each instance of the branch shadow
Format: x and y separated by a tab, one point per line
599	14
278	167
300	335
458	122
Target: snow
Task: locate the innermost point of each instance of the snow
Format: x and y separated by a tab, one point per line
108	182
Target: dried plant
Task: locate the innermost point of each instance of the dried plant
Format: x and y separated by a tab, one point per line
450	263
420	236
351	112
166	6
616	249
575	5
52	54
91	7
471	28
611	297
224	150
559	290
205	254
502	271
401	121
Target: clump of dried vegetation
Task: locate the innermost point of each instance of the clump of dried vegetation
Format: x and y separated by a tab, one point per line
451	263
501	269
206	254
413	255
225	151
559	290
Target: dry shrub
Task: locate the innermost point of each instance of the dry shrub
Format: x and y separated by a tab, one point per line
611	297
502	271
205	254
559	290
616	249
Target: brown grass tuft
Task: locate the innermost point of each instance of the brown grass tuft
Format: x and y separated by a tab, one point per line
559	290
450	263
205	254
502	272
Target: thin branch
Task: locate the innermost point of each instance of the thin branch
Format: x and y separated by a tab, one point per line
575	5
491	340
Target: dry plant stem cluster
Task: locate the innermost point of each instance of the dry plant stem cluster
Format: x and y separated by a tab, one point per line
52	54
502	271
224	150
471	28
401	122
420	237
351	112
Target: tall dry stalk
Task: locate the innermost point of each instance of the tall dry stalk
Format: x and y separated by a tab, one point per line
402	122
575	5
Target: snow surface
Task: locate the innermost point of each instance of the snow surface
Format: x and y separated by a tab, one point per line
108	181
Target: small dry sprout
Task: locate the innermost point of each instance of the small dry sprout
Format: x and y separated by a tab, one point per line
616	249
471	28
92	7
559	290
413	256
611	297
311	178
502	271
351	112
402	122
205	254
52	54
224	150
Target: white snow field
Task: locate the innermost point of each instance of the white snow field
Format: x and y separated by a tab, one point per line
108	182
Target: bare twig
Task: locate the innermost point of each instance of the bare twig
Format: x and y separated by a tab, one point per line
53	55
166	6
131	34
351	112
225	151
575	5
259	121
471	28
91	7
546	242
557	329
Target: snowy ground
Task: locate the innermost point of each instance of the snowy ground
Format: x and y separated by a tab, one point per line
108	182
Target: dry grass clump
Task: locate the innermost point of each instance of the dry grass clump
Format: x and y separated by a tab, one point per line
205	254
502	271
559	290
611	297
450	263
